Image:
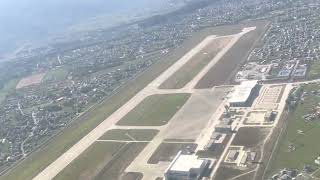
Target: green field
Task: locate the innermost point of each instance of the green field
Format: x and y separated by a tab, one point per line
306	143
8	87
155	110
103	160
314	72
55	75
115	169
92	160
128	134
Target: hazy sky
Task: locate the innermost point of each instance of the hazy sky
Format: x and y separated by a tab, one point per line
23	20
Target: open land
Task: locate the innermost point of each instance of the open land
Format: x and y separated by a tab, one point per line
102	160
155	110
57	74
296	146
30	80
250	137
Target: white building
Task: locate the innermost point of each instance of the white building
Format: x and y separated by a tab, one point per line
243	94
186	167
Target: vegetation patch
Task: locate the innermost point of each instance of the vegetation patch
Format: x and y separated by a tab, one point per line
250	137
298	144
57	74
8	88
103	160
155	110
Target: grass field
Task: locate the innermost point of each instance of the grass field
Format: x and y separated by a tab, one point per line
306	146
225	172
155	110
250	137
93	160
103	160
127	135
55	75
45	155
115	169
8	87
188	71
314	71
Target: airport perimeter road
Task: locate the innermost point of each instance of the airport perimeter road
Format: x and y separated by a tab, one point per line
65	159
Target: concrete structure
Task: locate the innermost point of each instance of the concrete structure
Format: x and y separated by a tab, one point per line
300	71
243	160
186	167
270	116
225	126
233	155
243	94
216	141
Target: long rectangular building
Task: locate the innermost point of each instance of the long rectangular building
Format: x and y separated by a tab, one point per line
243	94
186	167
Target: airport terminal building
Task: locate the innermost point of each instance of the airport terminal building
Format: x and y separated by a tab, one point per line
186	167
244	94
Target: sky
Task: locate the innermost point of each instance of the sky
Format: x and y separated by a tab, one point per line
26	20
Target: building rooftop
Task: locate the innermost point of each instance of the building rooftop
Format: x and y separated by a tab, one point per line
184	163
242	92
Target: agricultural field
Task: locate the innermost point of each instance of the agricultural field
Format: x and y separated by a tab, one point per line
237	54
55	75
102	160
185	74
130	134
297	145
7	88
155	110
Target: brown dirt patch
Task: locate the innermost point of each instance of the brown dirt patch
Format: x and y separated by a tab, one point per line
30	80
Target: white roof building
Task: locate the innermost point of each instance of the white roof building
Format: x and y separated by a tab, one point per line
185	167
242	93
